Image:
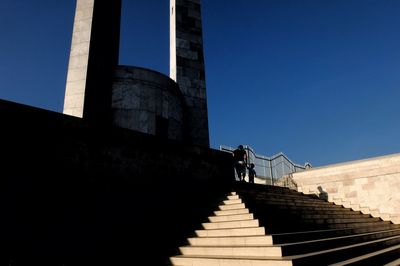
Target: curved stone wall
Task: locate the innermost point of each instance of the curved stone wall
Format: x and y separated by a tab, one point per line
147	101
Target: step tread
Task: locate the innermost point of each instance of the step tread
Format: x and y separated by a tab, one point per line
231	224
232	217
229	212
338	237
255	231
251	251
240	240
393	263
366	256
276	258
228	261
234	228
293	257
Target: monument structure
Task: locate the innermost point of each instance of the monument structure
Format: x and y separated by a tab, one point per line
103	92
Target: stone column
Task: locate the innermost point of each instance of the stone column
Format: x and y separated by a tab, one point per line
93	60
187	65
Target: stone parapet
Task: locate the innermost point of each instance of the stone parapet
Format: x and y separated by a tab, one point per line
370	185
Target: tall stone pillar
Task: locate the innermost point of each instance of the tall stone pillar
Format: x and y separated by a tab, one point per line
93	60
187	65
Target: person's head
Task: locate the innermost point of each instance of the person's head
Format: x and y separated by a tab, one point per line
252	165
240	147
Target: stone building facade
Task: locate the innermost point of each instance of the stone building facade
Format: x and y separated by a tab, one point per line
103	92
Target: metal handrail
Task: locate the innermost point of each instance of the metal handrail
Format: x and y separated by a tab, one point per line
274	169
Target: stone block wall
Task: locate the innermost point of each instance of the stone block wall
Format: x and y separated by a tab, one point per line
187	65
370	185
147	101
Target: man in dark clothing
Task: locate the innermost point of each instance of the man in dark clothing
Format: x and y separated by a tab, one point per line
240	158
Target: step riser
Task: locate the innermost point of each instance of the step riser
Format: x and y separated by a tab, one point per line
338	221
296	206
227	218
231	212
268	207
334	243
233	197
348	253
387	257
324	221
232	251
258	231
301	226
335	216
233	224
351	225
298	237
286	197
231	207
233	201
227	262
296	202
231	241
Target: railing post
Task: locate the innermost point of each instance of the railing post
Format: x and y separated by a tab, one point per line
272	174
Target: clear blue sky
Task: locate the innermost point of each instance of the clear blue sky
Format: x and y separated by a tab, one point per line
318	80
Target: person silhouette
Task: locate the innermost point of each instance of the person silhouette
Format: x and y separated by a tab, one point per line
252	173
322	194
240	159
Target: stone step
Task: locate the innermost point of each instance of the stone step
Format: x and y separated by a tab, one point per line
277	227
314	216
242	188
283	212
334	234
279	206
296	201
352	225
231	224
232	201
251	231
334	216
231	207
320	234
255	251
342	220
231	241
296	204
286	210
273	195
227	261
395	262
309	214
334	242
343	253
232	197
235	217
231	212
368	259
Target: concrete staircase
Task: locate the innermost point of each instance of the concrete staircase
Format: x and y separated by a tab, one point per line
266	225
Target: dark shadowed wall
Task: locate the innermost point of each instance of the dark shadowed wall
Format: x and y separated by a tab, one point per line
71	194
